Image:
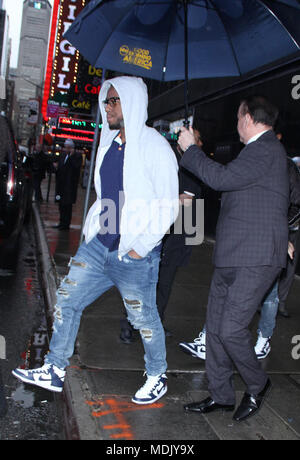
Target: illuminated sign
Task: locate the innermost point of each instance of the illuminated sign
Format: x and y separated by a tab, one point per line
81	105
89	89
50	58
78	130
55	110
65	64
61	65
86	125
84	93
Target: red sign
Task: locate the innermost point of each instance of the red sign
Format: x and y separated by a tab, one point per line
52	110
55	111
65	65
89	89
50	58
63	111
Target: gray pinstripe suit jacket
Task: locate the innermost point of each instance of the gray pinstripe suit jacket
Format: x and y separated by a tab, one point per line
252	228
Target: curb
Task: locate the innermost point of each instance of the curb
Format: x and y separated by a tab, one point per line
50	282
48	270
80	425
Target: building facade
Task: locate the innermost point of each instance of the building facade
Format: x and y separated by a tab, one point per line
31	61
4	43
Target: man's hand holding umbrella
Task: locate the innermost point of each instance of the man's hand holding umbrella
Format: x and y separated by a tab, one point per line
186	138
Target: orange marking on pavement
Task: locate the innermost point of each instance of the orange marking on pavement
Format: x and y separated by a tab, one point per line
122	436
95	403
112	427
117	409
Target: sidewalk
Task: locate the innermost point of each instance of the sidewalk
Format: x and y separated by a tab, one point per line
105	373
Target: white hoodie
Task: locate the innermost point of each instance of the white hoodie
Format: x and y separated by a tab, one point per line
150	177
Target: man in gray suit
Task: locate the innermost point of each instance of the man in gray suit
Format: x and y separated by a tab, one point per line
250	251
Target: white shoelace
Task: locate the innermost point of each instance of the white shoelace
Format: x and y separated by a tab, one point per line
200	340
45	368
150	384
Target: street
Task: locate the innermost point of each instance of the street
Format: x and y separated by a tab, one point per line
33	413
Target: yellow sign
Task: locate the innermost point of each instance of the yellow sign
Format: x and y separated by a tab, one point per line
137	56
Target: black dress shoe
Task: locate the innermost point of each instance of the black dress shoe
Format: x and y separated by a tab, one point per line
208	405
251	403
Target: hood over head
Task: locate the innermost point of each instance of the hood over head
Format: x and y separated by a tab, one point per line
134	102
150	180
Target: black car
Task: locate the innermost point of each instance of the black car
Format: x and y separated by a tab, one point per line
15	194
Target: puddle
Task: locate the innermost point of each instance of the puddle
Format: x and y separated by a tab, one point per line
28	395
23	396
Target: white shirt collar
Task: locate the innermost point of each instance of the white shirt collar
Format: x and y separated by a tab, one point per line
254	138
118	139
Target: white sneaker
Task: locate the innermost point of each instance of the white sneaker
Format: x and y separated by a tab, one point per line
153	389
48	376
262	347
197	348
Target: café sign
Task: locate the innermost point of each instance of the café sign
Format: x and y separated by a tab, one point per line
84	93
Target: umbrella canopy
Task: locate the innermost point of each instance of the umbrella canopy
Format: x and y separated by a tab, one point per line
178	39
184	39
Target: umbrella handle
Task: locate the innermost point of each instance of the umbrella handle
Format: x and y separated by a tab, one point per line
186	122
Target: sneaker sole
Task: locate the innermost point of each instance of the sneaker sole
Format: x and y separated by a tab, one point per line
163	392
264	356
188	351
46	386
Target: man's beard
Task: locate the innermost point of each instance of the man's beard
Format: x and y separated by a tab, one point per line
116	125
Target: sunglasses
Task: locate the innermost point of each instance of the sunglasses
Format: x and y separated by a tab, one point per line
111	101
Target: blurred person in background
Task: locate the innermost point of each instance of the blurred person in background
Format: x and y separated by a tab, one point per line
67	178
38	166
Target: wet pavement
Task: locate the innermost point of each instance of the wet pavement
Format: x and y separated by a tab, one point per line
105	373
32	413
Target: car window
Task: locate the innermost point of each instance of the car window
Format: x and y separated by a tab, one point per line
7	147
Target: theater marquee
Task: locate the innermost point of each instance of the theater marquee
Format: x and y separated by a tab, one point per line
62	64
65	64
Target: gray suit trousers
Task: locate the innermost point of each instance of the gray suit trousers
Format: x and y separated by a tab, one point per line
234	297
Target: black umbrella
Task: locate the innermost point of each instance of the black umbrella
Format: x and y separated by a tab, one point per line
185	39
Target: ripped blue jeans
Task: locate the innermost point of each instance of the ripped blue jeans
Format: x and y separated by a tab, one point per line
268	312
93	271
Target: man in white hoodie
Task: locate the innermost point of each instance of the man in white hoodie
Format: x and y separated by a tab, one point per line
136	183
